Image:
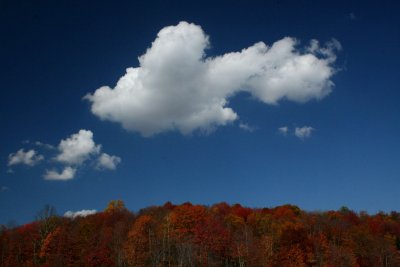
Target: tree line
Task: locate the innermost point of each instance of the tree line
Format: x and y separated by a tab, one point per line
196	235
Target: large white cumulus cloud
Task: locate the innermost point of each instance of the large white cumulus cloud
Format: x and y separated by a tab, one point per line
176	87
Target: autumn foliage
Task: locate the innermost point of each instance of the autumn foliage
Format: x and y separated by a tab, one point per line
195	235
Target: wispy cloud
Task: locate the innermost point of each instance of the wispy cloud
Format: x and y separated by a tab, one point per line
352	16
80	213
41	144
37	144
4	188
303	132
29	157
283	130
246	127
300	132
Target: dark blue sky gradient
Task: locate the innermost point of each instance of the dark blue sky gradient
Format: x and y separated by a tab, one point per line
52	53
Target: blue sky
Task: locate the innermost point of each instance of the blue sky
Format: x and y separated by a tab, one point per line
181	139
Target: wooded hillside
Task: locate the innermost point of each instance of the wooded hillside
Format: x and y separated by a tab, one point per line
195	235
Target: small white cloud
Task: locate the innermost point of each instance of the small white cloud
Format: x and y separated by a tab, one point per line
246	127
71	152
303	132
77	148
67	174
81	213
106	161
176	87
283	130
30	158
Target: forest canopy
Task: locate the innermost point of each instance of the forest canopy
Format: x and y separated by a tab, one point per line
197	235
